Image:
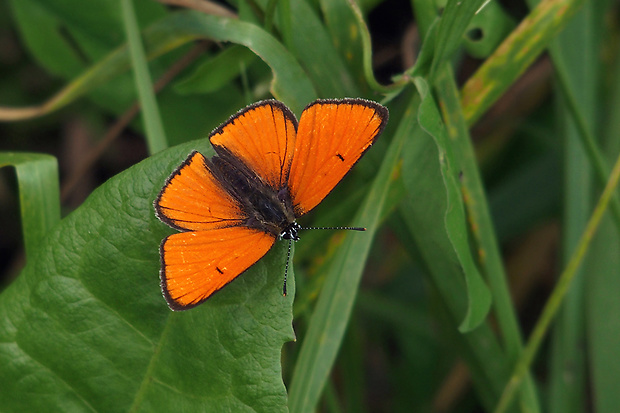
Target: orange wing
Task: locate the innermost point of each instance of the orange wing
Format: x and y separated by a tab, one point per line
193	200
197	264
332	136
263	136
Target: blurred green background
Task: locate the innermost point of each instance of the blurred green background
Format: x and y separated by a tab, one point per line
503	132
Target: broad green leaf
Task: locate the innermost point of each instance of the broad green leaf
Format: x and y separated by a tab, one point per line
47	44
333	308
84	327
454	212
290	84
39	195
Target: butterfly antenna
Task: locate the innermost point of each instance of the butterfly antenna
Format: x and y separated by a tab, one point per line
288	259
338	228
290	243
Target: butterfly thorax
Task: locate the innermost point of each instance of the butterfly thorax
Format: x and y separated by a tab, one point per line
267	212
265	208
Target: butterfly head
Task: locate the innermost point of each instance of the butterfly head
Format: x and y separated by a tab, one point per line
290	232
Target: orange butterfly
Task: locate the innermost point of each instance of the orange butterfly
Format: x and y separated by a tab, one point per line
267	172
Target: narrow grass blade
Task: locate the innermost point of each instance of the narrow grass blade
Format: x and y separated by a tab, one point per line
489	254
453	24
559	293
585	135
367	54
574	58
602	307
444	35
340	22
216	73
455	224
313	47
155	135
333	308
424	234
39	194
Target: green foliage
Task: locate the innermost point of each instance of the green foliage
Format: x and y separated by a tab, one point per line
452	211
83	327
37	177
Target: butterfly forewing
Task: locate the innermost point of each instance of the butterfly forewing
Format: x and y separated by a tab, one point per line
262	136
331	137
192	199
197	264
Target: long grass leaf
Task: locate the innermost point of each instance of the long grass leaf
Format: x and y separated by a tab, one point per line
479	297
333	308
574	59
559	293
489	254
367	54
155	135
602	307
39	194
424	234
515	55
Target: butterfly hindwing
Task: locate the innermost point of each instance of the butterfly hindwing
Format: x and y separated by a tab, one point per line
197	264
262	136
192	199
331	137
